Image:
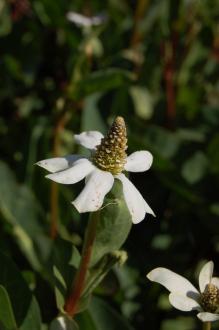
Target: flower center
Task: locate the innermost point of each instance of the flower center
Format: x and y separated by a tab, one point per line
209	299
110	154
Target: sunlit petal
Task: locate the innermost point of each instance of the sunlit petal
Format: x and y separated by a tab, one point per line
58	163
135	202
97	186
205	275
215	281
183	303
89	139
173	282
139	161
76	173
208	317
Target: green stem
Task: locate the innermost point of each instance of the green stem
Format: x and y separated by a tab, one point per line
71	303
206	326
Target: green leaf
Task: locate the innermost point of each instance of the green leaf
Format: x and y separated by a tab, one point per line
5	20
91	119
101	81
195	168
63	323
114	224
26	310
64	261
7	319
143	101
101	316
20	208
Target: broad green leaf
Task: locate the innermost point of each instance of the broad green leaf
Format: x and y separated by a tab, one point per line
195	167
114	224
7	320
25	308
21	210
63	323
101	316
102	81
32	320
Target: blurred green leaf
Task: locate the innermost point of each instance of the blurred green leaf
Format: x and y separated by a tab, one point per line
143	101
27	313
101	316
7	320
101	81
5	19
22	211
195	167
64	261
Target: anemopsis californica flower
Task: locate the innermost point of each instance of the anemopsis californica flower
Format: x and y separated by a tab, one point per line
107	162
185	297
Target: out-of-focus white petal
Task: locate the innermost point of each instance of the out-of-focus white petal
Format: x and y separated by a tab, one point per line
89	139
58	163
173	282
208	317
135	202
139	161
97	186
183	303
76	173
215	281
205	275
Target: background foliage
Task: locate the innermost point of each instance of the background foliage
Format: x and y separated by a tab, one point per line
156	64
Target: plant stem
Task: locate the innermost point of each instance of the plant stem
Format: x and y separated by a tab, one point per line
206	326
71	303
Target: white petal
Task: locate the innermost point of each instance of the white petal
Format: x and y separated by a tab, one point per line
183	303
208	317
58	163
135	202
215	281
76	173
139	161
97	186
173	282
206	275
89	139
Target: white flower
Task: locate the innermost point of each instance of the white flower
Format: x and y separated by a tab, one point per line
85	21
185	297
109	154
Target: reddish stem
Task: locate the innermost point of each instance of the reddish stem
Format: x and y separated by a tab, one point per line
72	301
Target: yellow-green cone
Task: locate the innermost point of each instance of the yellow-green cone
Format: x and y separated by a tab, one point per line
210	298
110	155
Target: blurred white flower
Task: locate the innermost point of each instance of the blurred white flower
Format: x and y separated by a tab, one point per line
107	161
185	297
85	21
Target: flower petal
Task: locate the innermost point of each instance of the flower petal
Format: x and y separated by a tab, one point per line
58	163
208	317
183	303
135	202
76	173
215	281
89	139
139	161
205	275
173	282
97	186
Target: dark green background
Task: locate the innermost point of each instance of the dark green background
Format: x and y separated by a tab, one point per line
156	63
